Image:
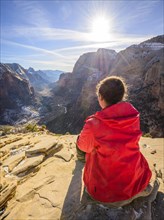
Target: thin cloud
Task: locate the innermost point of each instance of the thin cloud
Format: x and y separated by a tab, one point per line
119	41
37	15
32	48
136	13
44	34
43	64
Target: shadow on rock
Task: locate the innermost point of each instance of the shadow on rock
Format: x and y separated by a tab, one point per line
140	209
79	206
72	199
158	207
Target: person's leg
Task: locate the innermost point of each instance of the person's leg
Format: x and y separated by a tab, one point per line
150	190
80	154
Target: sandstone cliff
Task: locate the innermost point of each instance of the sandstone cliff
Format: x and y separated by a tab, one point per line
76	91
15	90
143	68
141	65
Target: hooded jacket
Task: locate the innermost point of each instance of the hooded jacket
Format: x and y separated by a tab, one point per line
115	169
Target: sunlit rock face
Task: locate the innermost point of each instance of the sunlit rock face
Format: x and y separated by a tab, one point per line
15	91
37	78
76	91
140	65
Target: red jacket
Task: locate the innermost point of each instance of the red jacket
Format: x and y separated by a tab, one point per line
115	169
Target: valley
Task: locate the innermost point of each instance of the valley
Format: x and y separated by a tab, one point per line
64	102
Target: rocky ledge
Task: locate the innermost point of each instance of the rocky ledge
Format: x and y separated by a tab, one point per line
41	179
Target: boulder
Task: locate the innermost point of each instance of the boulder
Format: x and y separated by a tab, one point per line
7	190
27	164
65	154
45	147
13	161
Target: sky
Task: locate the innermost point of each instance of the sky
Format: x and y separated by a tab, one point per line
53	34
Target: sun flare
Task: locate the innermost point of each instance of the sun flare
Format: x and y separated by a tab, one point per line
100	29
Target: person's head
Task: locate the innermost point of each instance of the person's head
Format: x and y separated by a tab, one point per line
111	90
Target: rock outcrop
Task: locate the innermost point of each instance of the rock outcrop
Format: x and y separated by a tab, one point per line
37	79
76	91
41	178
23	93
15	90
142	67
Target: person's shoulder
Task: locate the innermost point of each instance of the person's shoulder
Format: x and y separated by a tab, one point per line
129	107
92	120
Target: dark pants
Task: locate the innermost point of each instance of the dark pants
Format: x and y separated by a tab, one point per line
80	154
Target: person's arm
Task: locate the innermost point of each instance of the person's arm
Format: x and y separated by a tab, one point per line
85	141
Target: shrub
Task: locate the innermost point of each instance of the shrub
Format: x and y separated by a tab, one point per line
5	129
42	128
31	127
67	133
147	135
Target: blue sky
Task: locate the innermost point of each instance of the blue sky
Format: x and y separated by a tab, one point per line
52	34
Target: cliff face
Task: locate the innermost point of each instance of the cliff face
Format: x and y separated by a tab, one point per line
15	90
76	91
36	79
141	66
22	92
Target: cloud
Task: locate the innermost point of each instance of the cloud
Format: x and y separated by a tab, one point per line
41	63
44	33
119	41
32	13
44	51
34	27
67	56
134	13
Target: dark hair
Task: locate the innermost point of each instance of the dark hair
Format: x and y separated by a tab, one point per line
113	89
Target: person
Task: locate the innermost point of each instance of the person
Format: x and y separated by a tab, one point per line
115	170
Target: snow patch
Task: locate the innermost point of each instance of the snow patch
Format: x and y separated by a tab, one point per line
16	117
152	46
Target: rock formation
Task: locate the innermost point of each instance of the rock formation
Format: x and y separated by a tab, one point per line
36	79
142	68
41	178
23	90
72	98
15	90
76	91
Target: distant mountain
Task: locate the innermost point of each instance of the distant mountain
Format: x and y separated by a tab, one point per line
42	78
141	65
18	69
37	79
34	77
21	90
52	75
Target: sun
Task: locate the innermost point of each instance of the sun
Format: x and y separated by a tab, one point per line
100	29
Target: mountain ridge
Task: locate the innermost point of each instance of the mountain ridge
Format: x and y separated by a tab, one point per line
142	69
72	98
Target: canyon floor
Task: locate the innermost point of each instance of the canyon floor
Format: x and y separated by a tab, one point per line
41	178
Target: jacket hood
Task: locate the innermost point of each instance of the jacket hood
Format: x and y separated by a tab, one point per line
122	115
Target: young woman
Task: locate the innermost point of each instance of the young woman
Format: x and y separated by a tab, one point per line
115	170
